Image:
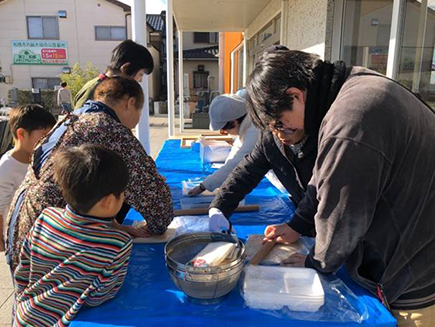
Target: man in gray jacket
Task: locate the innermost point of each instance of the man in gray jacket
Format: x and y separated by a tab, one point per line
371	199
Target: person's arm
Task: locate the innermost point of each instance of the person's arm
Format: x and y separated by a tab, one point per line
86	93
303	219
58	98
242	180
216	179
7	190
349	178
302	222
22	272
146	191
111	279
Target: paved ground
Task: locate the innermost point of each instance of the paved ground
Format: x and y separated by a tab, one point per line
158	134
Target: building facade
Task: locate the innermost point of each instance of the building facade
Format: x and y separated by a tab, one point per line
41	39
393	37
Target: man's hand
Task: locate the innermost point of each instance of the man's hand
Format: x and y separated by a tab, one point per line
195	191
217	221
295	260
139	230
281	233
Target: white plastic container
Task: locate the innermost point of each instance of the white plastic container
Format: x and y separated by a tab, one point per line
272	288
190	184
214	151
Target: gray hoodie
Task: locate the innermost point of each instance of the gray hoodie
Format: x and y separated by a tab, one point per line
373	191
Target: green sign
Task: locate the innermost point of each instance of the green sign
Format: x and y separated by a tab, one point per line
39	52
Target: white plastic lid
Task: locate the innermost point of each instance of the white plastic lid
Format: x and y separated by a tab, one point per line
283	283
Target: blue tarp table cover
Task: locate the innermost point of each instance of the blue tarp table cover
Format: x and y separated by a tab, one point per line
148	296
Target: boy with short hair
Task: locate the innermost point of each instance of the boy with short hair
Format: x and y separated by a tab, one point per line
129	59
28	124
75	256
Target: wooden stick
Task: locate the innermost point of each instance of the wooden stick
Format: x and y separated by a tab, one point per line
262	253
204	211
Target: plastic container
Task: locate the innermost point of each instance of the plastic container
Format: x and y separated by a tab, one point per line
272	288
214	151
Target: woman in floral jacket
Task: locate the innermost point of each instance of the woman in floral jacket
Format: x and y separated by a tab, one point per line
106	121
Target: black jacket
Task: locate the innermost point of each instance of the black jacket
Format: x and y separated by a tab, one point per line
373	188
293	171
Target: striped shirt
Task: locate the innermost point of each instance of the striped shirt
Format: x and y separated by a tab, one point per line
68	260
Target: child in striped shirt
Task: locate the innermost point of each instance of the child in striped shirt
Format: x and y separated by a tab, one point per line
75	256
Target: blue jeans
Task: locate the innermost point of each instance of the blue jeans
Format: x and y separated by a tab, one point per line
66	106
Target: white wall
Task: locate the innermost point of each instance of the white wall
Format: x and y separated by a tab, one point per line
307	25
269	12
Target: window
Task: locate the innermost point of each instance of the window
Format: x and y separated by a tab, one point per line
110	33
363	36
45	83
417	48
42	27
200	80
214	38
200	37
210	38
366	38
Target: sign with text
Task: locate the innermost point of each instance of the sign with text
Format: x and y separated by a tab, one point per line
39	52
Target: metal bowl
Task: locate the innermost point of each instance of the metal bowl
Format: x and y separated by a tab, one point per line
203	285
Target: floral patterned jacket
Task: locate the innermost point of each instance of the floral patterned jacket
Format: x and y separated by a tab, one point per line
146	191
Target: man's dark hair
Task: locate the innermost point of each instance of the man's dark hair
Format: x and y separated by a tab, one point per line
88	173
116	88
274	73
63	84
30	117
137	55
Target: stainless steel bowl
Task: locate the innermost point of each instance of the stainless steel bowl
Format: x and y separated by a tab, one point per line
203	285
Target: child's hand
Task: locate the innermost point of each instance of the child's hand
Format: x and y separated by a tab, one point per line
139	230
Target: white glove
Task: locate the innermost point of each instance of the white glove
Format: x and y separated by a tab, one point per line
217	222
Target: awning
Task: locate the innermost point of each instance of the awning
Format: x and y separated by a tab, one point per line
216	15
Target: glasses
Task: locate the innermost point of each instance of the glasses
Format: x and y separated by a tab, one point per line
279	126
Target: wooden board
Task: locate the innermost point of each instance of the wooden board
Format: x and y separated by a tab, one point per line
168	235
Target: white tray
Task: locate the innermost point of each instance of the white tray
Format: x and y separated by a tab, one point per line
273	288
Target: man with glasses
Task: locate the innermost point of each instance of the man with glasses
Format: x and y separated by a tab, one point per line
289	154
371	199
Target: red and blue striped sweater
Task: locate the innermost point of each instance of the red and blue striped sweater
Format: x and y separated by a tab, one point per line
68	260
